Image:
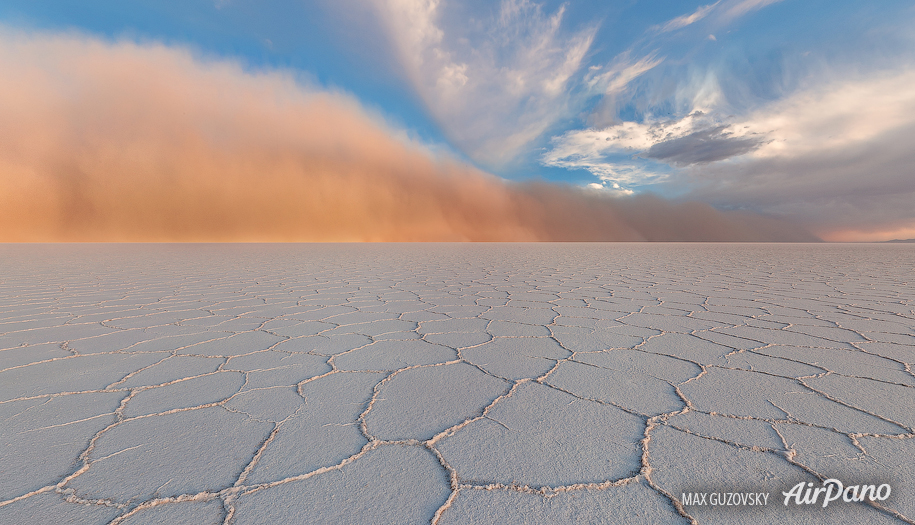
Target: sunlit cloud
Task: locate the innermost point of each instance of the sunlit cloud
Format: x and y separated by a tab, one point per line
740	8
826	154
836	155
616	76
686	20
495	83
105	141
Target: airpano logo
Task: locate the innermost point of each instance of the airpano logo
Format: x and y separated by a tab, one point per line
832	490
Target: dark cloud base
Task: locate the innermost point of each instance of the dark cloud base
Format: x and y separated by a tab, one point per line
702	147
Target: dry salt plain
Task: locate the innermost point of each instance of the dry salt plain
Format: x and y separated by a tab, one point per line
498	383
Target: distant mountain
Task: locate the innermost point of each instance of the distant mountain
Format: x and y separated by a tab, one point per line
901	240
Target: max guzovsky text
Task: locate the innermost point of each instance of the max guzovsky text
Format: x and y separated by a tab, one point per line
715	499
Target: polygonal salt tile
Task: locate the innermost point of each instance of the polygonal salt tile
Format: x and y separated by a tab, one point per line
197	512
321	314
516	357
30	322
203	390
830	333
721	319
687	347
746	432
394	355
238	344
824	451
510	329
267	404
659	366
175	342
170	455
755	362
41	439
542	437
886	337
72	374
894	402
633	503
872	325
359	317
453	325
736	343
782	337
52	509
459	311
391	484
458	339
397	336
421	402
889	462
668	323
323	345
24	355
111	342
422	316
535	316
581	312
172	368
637	392
588	340
585	322
754	394
53	334
328	424
274	368
374	328
150	319
897	352
295	328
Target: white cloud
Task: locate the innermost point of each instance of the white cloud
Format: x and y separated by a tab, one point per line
836	154
611	152
620	73
835	116
611	189
685	20
741	7
496	83
608	154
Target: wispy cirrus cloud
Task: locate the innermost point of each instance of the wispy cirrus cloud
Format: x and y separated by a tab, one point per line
496	82
686	20
613	79
738	8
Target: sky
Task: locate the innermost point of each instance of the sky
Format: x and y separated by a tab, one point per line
447	120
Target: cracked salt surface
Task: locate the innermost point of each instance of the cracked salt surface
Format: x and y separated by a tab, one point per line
497	383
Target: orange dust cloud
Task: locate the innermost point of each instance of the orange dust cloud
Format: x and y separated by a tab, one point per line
130	142
872	235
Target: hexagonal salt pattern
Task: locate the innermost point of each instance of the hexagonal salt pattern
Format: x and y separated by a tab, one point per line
522	383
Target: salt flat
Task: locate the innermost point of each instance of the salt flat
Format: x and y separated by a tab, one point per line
496	383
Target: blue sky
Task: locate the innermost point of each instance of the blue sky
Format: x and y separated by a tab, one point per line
800	109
